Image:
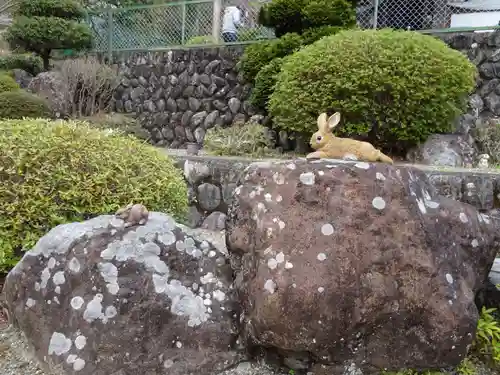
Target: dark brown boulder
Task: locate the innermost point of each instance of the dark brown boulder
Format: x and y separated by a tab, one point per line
361	266
95	298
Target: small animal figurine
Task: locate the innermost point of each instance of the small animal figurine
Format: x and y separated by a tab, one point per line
483	161
329	146
133	214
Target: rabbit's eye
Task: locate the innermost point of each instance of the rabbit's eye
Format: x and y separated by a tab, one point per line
319	138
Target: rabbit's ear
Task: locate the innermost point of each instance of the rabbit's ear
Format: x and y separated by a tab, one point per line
323	122
334	120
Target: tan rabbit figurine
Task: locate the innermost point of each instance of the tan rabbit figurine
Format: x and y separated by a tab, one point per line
328	146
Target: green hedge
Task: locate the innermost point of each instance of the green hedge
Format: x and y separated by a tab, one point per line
30	63
7	83
19	104
395	87
264	84
57	172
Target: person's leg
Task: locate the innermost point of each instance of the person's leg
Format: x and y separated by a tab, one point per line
228	37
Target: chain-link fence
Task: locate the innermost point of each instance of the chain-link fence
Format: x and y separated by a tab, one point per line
200	22
190	22
428	14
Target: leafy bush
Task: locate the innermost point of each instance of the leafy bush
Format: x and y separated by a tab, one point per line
250	139
395	87
260	54
200	39
57	172
7	83
19	104
295	16
90	85
488	138
264	84
487	341
43	25
309	36
27	62
118	123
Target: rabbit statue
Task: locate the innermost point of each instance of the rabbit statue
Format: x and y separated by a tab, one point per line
329	146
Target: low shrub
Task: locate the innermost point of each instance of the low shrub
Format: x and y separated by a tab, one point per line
56	172
260	54
7	83
264	84
18	104
119	123
488	138
200	39
314	34
250	139
27	62
89	84
392	87
487	341
318	13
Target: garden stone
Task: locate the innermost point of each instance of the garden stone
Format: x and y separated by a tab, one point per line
218	81
171	105
194	104
137	93
211	66
188	92
189	135
492	103
479	192
234	105
22	77
205	79
222	92
220	105
209	196
476	103
186	118
215	221
210	119
199	135
51	86
198	119
442	149
283	140
160	105
227	192
128	106
143	81
94	295
465	123
168	134
239	119
182	104
180	133
149	106
324	246
195	172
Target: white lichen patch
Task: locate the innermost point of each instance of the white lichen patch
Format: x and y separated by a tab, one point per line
59	278
362	165
219	295
59	344
74	265
449	278
208	278
378	203
307	178
268	197
30	302
431	204
110	312
77	302
94	308
291	166
272	263
483	218
79	364
321	257
288	265
168	363
109	273
321	289
379	176
280	257
270	286
463	217
475	243
327	229
279	198
51	263
80	342
278	178
183	301
421	206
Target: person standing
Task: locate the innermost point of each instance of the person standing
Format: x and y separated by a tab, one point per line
230	23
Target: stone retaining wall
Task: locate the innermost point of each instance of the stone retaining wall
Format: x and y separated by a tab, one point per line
177	95
211	181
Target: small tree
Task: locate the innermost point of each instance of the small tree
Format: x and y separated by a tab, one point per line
41	26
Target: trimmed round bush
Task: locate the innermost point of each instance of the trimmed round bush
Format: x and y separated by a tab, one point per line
260	54
314	34
319	13
264	84
69	9
7	83
58	172
19	104
394	88
27	62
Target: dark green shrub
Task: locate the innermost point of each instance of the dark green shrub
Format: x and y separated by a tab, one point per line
68	9
7	83
287	16
57	172
264	84
41	26
283	16
30	63
319	13
309	36
19	104
395	87
260	54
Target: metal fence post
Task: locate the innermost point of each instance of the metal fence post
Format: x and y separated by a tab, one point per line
110	36
183	25
375	13
216	21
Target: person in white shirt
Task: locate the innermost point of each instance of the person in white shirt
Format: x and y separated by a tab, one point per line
230	23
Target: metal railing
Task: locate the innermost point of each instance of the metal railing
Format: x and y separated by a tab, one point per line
199	22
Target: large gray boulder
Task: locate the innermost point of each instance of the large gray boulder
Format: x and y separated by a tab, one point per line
96	298
52	87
